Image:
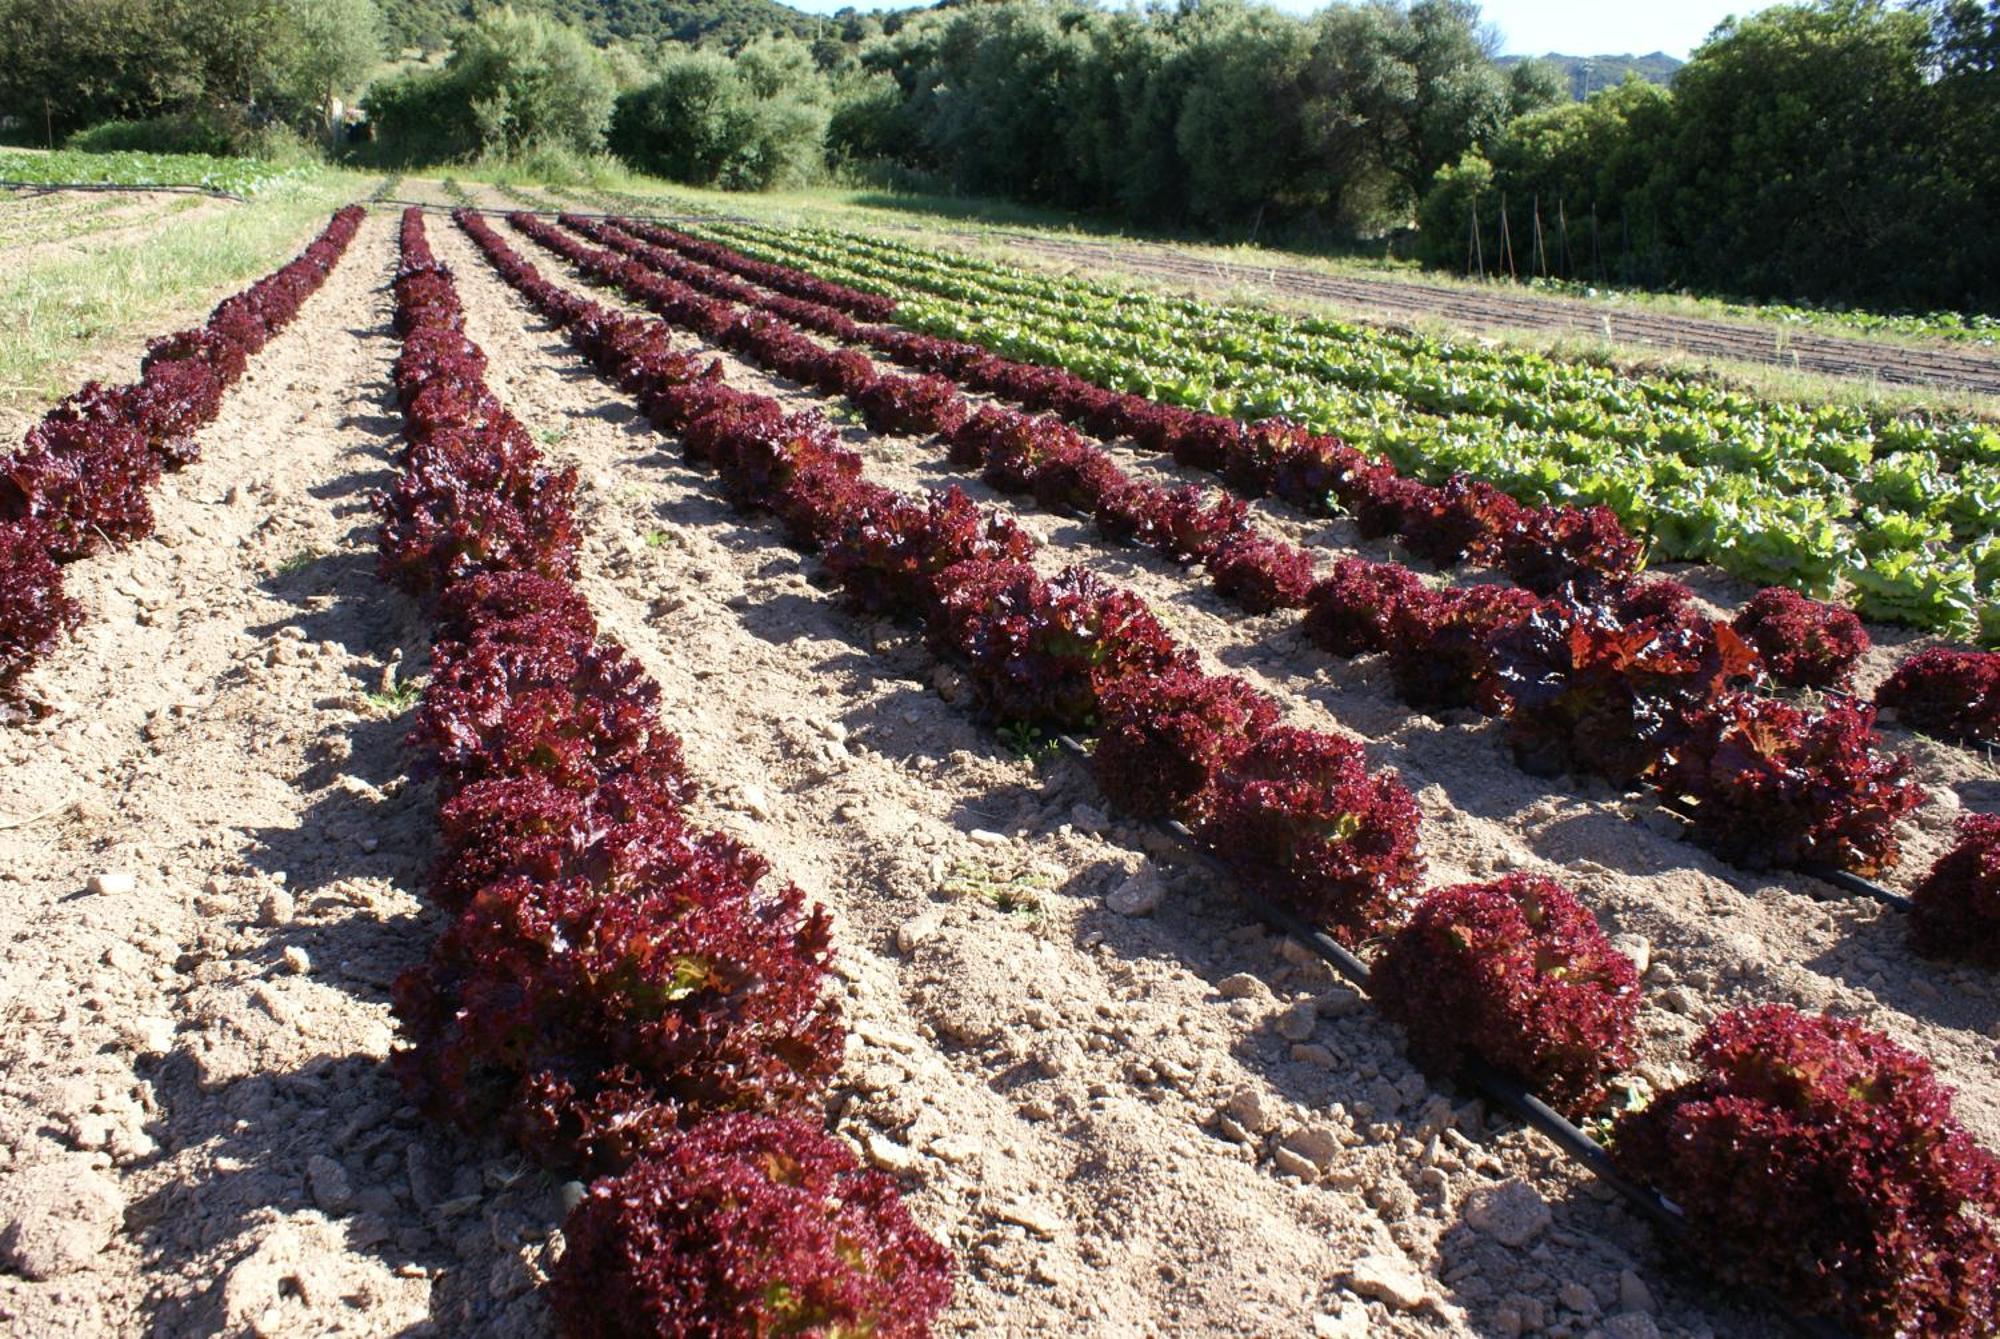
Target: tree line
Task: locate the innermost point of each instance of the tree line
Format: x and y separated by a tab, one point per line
1836	152
1826	149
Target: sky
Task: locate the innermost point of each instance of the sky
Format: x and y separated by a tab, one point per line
1600	27
1535	27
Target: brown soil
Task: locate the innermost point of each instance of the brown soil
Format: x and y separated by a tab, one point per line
194	1086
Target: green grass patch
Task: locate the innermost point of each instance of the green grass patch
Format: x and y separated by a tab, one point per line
71	167
52	311
399	699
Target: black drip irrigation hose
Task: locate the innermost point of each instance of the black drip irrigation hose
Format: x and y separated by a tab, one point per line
1845	880
1503	1090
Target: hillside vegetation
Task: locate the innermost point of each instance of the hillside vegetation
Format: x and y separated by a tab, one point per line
1837	151
1585	75
429	24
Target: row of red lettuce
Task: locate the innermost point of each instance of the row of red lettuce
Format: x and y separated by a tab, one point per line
1607	674
1812	1156
80	481
618	993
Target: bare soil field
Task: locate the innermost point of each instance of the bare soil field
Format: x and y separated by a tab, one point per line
213	856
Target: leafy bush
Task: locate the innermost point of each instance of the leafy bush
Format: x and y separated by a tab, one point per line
515	81
1805	643
34	610
1517	973
1957	906
1592	694
1440	643
1164	739
747	1225
1822	1161
1299	819
1350	611
1952	694
1042	652
701	122
1780	786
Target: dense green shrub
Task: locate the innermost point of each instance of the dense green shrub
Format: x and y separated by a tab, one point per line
514	82
753	123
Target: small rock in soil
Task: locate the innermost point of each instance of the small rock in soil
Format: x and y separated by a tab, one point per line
1137	896
1316	1143
1388	1278
56	1217
1294	1164
1240	986
1634	1295
113	883
1297	1023
1249	1109
1511	1213
889	1155
331	1190
916	930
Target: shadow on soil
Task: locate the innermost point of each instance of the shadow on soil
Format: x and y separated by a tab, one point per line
336	1133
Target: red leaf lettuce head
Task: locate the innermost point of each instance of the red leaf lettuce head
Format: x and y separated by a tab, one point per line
748	1225
1165	738
1780	786
1042	652
1805	643
1299	818
1595	695
1518	974
1349	613
583	1014
1823	1162
1957	911
1951	694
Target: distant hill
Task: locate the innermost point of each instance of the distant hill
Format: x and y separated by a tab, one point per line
428	23
1587	74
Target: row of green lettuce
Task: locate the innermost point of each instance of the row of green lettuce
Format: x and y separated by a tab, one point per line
67	167
1896	516
1962	327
